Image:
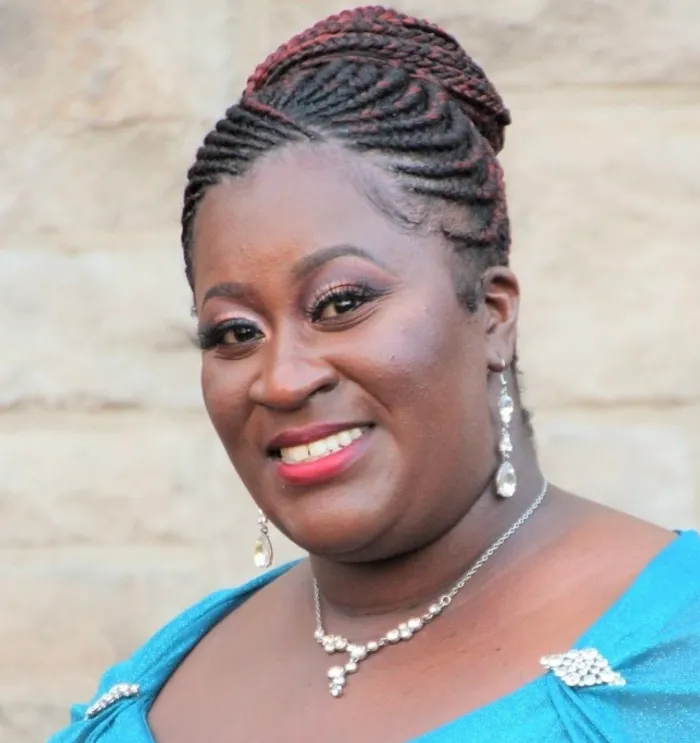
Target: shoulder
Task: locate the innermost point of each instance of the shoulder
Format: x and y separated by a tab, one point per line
655	627
674	575
140	676
657	650
673	592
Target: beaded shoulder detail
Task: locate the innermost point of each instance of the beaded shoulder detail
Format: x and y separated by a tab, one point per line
582	668
111	697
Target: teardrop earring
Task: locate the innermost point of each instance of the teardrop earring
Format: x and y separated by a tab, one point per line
506	480
263	554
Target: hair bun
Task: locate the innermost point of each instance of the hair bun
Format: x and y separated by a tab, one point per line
393	38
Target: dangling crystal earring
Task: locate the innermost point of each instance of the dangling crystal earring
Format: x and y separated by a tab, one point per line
262	554
506	481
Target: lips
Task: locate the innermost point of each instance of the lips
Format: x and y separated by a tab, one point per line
297	437
319	453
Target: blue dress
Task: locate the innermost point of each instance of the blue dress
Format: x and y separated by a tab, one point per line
650	636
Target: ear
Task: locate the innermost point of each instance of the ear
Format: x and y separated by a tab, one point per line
501	293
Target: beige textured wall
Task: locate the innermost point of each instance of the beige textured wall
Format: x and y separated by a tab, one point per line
117	507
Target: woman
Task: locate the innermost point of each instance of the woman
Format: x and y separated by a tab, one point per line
346	240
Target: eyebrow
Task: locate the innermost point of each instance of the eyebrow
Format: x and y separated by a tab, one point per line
230	290
309	263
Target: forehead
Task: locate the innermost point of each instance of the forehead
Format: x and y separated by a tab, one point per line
301	198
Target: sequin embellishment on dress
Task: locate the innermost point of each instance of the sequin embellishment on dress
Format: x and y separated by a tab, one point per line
116	693
582	668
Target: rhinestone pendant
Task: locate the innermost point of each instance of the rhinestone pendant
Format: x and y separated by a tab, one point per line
506	481
582	668
262	554
336	680
337	675
505	444
506	408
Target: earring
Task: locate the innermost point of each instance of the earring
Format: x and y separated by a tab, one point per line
262	554
506	481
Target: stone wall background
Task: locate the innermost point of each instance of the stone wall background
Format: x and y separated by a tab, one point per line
117	506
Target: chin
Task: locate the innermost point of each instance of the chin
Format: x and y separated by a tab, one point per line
325	527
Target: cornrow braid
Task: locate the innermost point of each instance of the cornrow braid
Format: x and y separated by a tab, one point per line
376	81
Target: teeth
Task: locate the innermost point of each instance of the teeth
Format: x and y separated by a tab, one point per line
334	444
320	448
345	438
297	453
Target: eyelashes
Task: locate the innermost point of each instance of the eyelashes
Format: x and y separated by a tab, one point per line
333	305
341	299
233	332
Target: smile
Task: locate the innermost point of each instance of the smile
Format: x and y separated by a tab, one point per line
322	459
320	448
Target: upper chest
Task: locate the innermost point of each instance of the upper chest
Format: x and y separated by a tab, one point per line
260	672
270	680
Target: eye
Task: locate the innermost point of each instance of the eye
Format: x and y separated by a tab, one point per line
230	334
340	300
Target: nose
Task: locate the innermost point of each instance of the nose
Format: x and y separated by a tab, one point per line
291	373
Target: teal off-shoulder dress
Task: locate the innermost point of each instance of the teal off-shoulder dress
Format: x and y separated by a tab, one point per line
633	677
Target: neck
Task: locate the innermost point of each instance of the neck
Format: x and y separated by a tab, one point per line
358	597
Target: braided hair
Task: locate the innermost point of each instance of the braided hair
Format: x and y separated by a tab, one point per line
377	81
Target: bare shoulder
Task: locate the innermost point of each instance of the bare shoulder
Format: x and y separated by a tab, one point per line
607	534
596	554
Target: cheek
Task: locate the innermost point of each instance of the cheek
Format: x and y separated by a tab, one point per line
429	377
437	394
427	367
225	393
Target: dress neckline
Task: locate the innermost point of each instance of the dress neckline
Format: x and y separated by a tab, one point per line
628	614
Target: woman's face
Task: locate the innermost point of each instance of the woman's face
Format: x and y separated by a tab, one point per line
345	380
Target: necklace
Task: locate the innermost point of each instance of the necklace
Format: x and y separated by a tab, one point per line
357	652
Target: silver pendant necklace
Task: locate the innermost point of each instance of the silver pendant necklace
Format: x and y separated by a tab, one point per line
357	652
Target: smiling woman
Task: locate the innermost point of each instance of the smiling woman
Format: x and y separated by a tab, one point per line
327	339
346	239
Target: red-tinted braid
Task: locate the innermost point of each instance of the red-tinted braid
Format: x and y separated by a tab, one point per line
376	81
419	47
